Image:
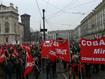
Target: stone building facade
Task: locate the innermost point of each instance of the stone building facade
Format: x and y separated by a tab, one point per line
93	25
36	36
25	19
77	33
9	25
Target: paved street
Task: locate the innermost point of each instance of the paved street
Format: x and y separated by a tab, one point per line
61	74
100	75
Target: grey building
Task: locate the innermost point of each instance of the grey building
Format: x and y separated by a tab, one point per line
9	25
77	33
35	36
93	25
25	19
66	34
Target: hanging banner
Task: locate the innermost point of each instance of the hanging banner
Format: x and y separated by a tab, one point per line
92	51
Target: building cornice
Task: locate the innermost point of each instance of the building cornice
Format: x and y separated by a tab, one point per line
4	34
9	12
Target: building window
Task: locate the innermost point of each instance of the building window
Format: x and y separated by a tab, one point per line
6	39
15	27
6	27
6	17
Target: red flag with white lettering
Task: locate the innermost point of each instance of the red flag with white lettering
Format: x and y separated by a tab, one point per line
63	50
48	50
52	54
53	49
92	51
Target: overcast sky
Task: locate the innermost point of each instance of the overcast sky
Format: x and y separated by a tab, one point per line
60	14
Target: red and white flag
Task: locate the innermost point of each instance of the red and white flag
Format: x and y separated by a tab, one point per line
53	49
2	55
63	50
15	53
29	64
48	50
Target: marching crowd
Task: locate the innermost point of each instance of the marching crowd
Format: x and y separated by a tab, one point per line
13	62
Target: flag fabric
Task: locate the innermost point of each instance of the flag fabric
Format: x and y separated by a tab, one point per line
26	48
92	51
48	50
29	64
15	53
53	50
52	54
29	61
2	55
63	50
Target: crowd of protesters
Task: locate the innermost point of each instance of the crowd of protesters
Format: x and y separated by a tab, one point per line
80	70
15	62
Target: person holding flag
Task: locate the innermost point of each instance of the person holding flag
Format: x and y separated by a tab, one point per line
30	62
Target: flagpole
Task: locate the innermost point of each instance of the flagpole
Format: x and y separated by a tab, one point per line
69	48
68	35
37	67
69	44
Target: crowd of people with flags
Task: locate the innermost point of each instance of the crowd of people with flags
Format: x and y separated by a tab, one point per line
19	59
26	59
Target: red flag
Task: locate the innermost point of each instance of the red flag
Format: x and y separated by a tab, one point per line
15	53
52	54
29	60
63	51
48	50
2	55
29	64
52	49
92	51
46	46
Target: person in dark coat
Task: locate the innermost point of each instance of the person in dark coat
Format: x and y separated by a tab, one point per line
19	68
37	68
48	69
54	69
8	69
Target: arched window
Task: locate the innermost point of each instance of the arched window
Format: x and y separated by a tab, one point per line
6	27
6	39
15	27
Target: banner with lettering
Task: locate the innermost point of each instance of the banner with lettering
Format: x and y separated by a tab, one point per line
92	51
53	50
48	50
63	50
